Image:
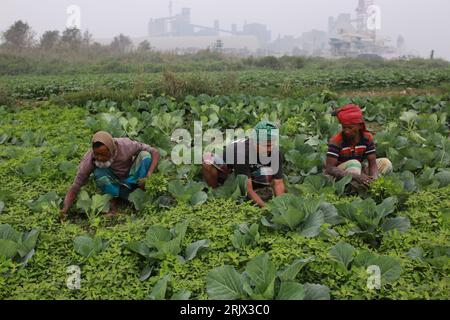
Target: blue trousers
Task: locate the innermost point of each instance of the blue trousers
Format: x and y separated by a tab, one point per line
108	182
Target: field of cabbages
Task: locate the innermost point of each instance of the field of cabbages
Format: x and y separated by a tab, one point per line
182	240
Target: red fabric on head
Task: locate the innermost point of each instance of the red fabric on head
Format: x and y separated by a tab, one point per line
350	114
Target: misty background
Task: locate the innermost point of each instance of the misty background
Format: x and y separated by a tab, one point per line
423	24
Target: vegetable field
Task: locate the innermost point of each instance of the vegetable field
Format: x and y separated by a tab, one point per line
181	240
259	82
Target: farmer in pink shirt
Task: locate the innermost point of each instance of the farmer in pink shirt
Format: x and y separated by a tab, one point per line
119	165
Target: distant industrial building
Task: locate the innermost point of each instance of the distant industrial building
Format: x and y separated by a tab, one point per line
347	36
177	32
358	37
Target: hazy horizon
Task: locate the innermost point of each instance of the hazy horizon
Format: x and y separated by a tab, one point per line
423	24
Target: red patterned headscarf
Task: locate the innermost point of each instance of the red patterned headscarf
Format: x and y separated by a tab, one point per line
350	114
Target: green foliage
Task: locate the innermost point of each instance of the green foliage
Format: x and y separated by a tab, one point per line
32	168
87	247
305	216
161	242
372	219
190	193
418	148
46	202
245	236
93	206
160	291
17	245
235	187
260	282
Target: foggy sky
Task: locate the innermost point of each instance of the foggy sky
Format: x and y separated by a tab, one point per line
424	24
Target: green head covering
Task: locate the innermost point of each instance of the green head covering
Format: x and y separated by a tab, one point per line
265	131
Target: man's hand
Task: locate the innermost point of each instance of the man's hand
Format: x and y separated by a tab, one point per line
253	195
363	179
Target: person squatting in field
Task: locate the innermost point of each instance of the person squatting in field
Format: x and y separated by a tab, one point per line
119	165
352	151
257	157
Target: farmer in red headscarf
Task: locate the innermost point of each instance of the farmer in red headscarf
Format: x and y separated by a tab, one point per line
352	151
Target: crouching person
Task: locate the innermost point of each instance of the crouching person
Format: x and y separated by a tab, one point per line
119	166
256	157
352	151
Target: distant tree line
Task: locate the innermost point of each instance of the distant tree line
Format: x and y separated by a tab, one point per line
74	51
20	36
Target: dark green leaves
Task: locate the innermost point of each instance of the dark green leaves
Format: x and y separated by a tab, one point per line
291	271
225	283
194	248
32	168
261	281
17	245
139	199
348	258
235	187
343	254
244	236
401	224
291	291
370	217
45	202
161	242
305	215
190	193
261	274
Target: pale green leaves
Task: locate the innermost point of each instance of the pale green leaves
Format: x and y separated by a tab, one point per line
95	205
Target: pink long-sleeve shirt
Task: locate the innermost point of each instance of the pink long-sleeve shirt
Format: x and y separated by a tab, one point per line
126	149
